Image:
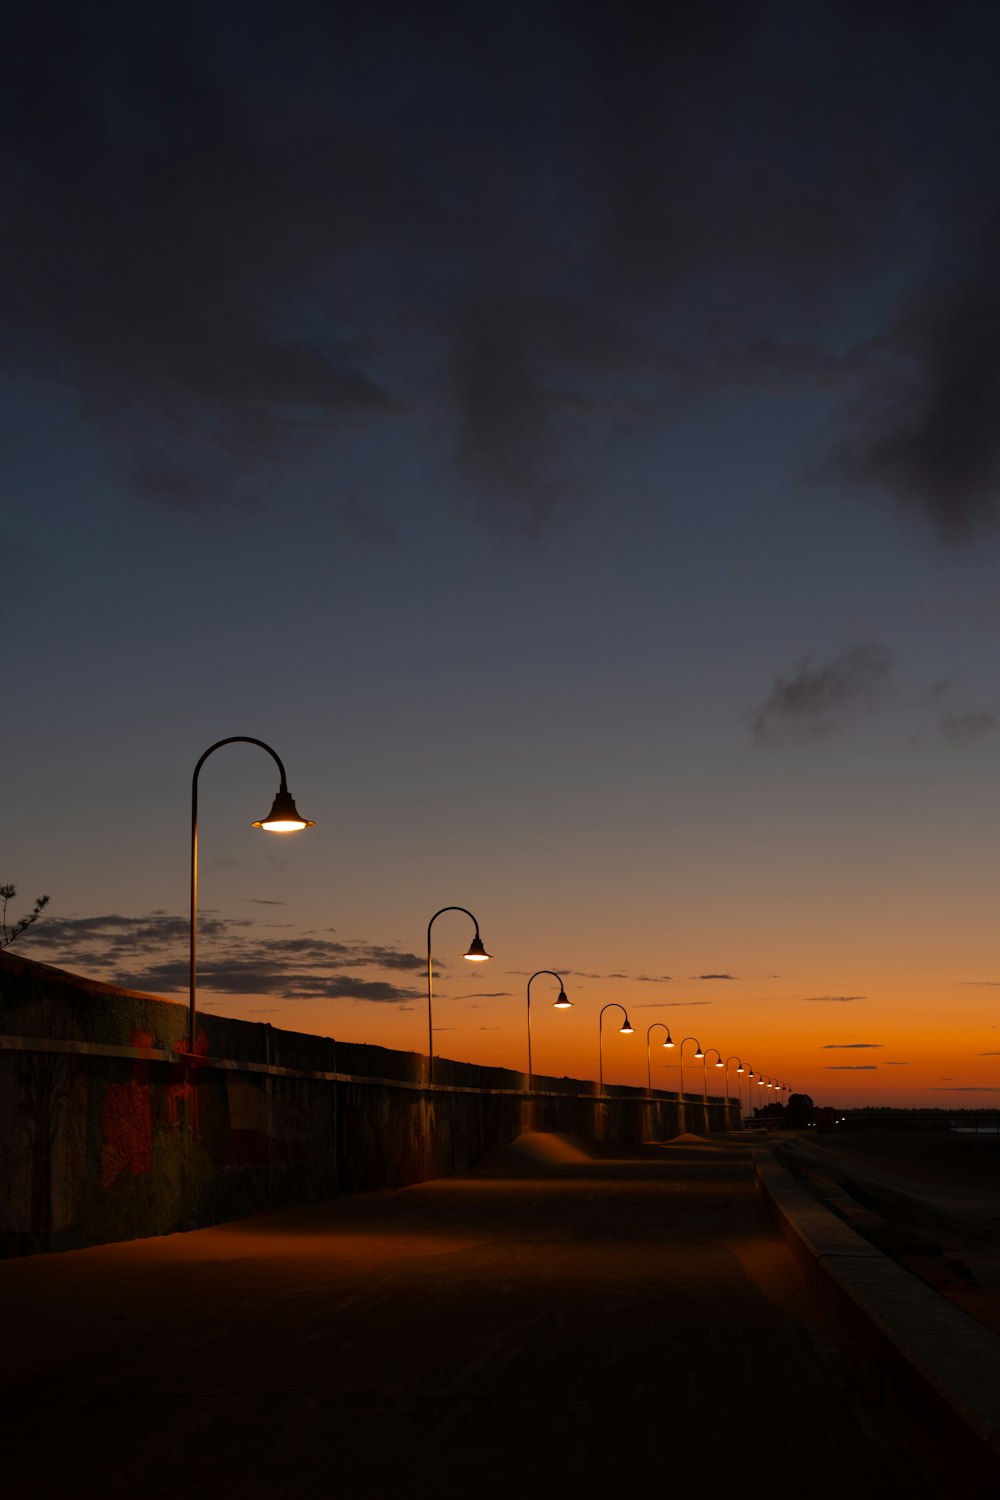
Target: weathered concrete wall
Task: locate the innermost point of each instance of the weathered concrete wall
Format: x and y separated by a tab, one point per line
106	1133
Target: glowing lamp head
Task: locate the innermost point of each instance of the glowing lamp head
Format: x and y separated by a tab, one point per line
563	1003
670	1041
626	1028
284	816
699	1053
740	1069
719	1064
477	953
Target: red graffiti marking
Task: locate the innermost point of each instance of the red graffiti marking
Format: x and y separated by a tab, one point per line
182	1091
127	1121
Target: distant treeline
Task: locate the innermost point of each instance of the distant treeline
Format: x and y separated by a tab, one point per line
922	1119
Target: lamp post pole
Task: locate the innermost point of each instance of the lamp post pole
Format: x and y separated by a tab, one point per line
283	818
477	953
625	1029
562	1003
704	1069
698	1053
739	1098
668	1043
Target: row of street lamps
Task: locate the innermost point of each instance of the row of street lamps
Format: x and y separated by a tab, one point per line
285	818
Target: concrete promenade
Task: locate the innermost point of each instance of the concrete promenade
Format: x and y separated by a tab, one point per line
554	1325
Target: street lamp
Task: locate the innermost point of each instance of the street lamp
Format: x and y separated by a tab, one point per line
283	818
625	1029
562	1003
698	1053
704	1069
668	1043
476	954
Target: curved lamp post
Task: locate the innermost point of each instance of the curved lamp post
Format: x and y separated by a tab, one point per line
283	818
562	1003
698	1053
733	1058
668	1043
625	1029
704	1069
476	954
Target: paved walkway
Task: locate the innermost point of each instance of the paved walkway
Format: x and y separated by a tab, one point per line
584	1326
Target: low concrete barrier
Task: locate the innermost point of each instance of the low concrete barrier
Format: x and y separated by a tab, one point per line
107	1133
935	1370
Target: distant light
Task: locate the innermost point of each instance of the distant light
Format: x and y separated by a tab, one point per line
477	953
284	817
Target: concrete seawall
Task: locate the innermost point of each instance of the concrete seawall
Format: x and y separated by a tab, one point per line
107	1133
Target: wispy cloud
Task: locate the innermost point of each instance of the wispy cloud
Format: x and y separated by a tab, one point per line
150	953
851	1067
716	976
846	1046
832	999
483	995
669	1004
817	699
966	729
966	1088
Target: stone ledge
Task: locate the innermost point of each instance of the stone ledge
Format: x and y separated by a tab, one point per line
934	1368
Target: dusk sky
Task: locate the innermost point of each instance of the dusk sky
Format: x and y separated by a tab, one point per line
570	435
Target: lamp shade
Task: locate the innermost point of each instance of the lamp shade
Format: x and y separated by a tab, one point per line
477	952
563	1003
626	1028
670	1041
284	816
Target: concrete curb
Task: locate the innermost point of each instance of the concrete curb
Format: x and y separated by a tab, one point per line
935	1370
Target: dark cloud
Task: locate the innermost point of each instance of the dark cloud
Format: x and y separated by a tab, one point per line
520	363
816	699
832	999
964	729
162	272
653	978
834	1046
927	431
150	953
255	229
851	1067
989	1054
716	976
